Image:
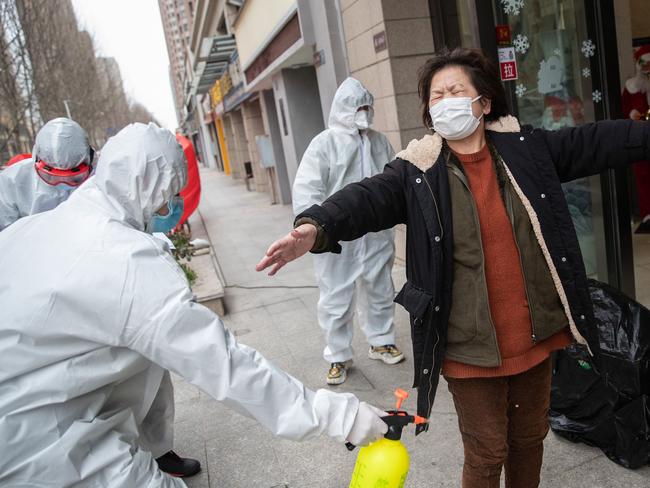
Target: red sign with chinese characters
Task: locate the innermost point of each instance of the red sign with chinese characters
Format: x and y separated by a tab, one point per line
507	63
503	34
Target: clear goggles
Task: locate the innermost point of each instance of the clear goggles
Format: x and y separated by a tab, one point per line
71	177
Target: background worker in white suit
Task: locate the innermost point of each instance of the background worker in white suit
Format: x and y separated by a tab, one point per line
348	151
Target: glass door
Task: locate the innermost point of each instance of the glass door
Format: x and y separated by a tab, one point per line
557	86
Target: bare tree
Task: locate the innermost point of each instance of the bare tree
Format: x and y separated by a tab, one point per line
19	111
46	63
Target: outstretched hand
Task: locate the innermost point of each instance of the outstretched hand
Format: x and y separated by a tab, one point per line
296	243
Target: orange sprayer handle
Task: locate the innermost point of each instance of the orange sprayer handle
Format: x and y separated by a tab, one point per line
401	395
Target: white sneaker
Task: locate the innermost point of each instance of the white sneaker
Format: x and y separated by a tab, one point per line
389	354
337	374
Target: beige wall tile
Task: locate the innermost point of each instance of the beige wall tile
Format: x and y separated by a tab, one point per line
368	76
375	12
361	50
405	72
385	77
405	9
409	37
346	4
408	111
377	78
354	59
386	114
356	19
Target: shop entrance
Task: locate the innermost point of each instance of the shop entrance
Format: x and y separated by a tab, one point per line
573	60
567	74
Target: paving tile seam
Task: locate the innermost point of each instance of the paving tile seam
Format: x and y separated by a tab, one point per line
567	471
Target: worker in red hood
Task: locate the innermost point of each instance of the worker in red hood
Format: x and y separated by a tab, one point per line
636	106
191	194
17	158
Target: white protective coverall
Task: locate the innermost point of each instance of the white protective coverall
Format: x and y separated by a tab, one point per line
336	157
94	311
62	143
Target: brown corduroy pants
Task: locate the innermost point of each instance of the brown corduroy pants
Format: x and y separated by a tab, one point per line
503	422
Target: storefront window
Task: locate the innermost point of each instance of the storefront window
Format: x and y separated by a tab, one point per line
467	23
555	58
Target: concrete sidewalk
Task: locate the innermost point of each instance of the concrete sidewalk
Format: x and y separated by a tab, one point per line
281	323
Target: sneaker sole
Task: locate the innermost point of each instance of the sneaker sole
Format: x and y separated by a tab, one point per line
336	381
380	357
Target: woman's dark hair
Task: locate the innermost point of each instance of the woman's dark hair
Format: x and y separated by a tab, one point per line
481	71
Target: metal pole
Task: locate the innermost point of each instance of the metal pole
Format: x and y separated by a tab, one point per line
67	108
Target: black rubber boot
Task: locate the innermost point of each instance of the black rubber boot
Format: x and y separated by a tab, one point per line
174	465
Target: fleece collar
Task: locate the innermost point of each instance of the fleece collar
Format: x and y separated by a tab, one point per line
423	153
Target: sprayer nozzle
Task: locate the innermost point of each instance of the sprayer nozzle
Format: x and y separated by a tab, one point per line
401	395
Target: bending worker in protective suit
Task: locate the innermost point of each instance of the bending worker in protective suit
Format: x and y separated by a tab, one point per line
346	153
89	326
61	160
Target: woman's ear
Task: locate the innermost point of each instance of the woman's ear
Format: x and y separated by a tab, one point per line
486	103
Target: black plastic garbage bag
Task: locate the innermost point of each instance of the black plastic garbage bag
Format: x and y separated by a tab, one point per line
604	400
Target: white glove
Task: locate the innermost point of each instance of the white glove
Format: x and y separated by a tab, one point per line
368	425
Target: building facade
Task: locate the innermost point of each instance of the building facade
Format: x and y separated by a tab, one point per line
176	18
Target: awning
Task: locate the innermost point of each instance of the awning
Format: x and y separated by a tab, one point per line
213	59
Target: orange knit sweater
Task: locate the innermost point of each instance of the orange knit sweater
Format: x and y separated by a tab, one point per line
505	280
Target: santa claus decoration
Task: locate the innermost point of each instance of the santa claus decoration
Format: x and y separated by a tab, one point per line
636	106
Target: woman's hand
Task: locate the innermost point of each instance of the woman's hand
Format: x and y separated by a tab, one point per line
296	243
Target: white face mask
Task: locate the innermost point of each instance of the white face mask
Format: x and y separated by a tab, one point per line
453	117
363	119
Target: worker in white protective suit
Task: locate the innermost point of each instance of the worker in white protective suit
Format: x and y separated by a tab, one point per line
347	152
95	310
61	160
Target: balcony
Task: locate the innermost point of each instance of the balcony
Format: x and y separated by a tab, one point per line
212	61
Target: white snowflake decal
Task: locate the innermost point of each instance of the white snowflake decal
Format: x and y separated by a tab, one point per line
557	51
521	43
596	96
588	48
520	90
586	72
512	7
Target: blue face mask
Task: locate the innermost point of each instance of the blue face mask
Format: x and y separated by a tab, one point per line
165	223
66	188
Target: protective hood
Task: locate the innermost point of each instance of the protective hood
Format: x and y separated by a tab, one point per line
62	143
348	98
139	170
